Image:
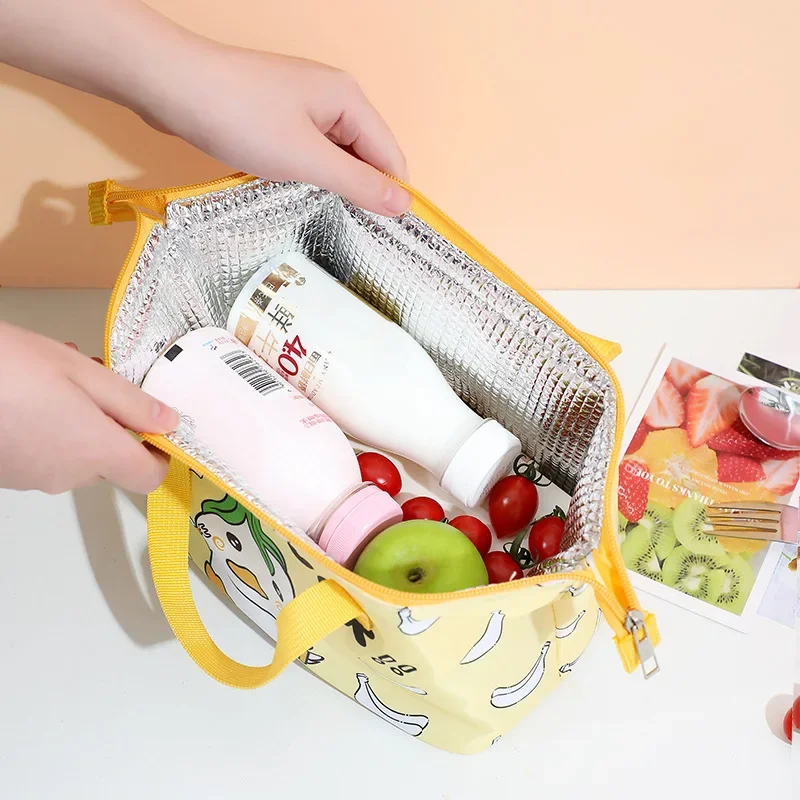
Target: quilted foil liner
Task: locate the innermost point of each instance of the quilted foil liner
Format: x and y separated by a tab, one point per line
505	358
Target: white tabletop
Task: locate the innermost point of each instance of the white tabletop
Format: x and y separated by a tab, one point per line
99	700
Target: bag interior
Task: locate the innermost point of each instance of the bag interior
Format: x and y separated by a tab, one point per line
504	357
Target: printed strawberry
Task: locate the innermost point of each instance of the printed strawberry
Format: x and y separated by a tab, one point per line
711	407
638	438
666	409
738	469
683	375
634	485
738	439
781	476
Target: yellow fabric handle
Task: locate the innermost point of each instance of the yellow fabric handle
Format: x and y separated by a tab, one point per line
302	623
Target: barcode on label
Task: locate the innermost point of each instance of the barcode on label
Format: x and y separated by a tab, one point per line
244	365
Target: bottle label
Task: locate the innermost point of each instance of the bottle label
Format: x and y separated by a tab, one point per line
272	328
246	367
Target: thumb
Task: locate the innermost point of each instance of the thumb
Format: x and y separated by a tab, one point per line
333	168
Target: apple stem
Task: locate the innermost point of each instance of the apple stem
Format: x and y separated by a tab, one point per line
415	575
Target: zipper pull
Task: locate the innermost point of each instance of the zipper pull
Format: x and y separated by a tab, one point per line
102	198
634	622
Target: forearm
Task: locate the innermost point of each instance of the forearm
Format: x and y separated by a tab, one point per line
270	115
111	48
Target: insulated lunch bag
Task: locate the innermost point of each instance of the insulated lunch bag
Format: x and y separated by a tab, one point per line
456	670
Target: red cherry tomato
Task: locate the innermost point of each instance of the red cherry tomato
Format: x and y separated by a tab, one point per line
546	535
377	469
501	567
512	505
476	531
422	508
787	725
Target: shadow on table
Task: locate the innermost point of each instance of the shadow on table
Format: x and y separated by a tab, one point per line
136	610
51	244
133	603
776	711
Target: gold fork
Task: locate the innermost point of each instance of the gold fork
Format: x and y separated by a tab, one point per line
753	520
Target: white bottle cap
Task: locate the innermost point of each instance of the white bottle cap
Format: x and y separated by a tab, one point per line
483	458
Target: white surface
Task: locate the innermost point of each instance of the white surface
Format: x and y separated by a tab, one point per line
99	700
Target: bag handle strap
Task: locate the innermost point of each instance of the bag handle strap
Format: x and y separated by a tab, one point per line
302	623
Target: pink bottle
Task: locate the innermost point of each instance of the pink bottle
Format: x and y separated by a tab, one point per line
290	455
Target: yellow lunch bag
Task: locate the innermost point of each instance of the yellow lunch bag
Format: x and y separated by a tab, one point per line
456	670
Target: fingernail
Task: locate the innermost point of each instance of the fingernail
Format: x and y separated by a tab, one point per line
71	345
396	200
167	417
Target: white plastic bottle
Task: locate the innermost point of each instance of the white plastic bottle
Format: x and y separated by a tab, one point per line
289	453
378	384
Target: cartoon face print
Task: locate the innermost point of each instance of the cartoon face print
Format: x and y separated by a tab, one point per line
360	633
245	561
299	557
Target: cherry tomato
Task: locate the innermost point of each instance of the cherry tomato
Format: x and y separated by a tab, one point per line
377	469
512	505
422	508
546	535
787	725
501	567
476	531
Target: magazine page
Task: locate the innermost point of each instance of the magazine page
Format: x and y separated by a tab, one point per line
687	450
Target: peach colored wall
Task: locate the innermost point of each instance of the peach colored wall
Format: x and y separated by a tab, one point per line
589	144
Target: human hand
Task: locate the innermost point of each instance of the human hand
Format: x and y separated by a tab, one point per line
282	118
63	420
278	117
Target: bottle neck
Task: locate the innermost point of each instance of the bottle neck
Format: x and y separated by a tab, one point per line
315	531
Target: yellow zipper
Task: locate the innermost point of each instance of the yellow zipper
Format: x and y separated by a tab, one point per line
105	193
625	619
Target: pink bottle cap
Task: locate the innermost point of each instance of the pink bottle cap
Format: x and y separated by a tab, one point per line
361	517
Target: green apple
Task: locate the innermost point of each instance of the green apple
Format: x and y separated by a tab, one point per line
424	557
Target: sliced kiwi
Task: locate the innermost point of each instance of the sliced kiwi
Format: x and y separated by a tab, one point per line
717	581
639	554
658	521
622	527
663	539
735	581
691	573
688	521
